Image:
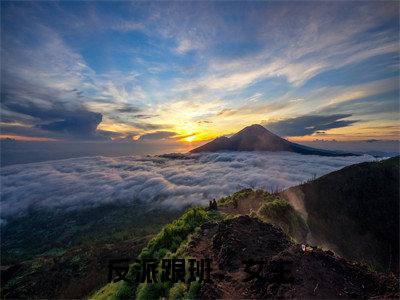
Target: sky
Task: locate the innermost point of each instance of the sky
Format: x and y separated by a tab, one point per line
167	73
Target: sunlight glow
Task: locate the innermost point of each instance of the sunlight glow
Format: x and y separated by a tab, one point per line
190	138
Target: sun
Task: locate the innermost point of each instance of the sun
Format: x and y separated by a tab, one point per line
190	138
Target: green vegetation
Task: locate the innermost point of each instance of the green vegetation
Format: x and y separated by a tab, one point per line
177	291
193	290
345	210
235	197
170	242
172	235
114	290
54	233
269	207
67	247
243	194
280	213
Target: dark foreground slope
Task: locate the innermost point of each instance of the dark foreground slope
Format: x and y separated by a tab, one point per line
288	272
355	212
260	226
258	138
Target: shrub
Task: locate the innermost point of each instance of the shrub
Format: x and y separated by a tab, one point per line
234	198
177	291
114	290
281	214
172	235
193	290
170	242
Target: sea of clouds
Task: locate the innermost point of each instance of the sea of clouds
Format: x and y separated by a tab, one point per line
186	180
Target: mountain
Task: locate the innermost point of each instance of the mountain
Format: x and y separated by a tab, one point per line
258	138
354	211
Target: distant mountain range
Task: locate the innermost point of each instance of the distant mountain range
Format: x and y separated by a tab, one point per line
258	138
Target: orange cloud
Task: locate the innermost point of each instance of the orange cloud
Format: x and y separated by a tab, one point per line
27	138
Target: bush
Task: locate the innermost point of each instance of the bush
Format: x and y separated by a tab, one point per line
177	291
193	290
114	290
172	235
281	214
234	198
167	242
170	241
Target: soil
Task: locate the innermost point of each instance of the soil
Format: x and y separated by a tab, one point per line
287	272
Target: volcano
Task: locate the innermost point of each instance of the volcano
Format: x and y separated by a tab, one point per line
258	138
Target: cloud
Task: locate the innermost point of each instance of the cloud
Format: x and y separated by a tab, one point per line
143	116
366	105
318	39
78	124
86	182
41	88
185	46
48	87
158	135
195	52
309	124
75	122
192	25
123	25
148	126
128	109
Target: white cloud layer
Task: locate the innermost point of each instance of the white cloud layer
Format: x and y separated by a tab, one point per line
85	182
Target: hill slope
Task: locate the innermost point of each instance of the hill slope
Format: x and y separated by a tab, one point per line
354	211
348	211
258	138
288	271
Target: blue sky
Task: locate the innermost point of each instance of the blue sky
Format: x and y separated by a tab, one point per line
186	72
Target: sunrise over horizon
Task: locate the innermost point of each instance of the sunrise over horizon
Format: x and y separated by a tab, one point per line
176	73
164	150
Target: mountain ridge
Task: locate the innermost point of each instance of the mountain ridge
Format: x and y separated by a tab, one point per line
340	205
254	225
257	138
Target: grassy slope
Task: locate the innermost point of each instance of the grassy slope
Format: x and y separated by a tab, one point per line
168	243
269	207
173	239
